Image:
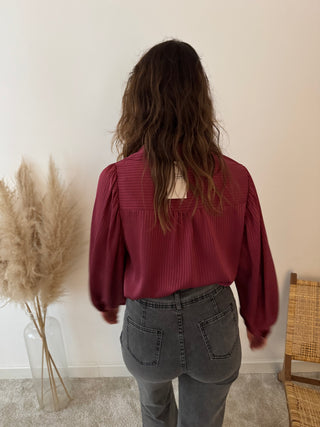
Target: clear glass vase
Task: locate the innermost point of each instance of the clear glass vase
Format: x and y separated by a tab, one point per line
48	363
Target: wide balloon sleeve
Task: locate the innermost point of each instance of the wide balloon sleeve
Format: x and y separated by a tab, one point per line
256	280
107	246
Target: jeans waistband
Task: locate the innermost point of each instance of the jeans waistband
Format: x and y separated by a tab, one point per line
182	296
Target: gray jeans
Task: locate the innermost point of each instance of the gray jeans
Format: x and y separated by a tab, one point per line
192	334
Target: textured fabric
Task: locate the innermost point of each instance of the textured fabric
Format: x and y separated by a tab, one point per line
131	257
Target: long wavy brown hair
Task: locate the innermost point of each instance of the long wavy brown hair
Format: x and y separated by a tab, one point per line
167	107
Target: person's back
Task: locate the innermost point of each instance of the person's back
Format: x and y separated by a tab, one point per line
175	223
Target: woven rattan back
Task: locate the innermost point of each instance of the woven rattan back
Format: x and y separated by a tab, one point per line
303	324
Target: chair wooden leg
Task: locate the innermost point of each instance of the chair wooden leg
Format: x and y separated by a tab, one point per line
285	373
281	376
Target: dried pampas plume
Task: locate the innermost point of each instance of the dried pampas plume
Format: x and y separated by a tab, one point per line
59	234
18	257
39	238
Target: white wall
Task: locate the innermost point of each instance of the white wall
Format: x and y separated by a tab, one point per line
63	70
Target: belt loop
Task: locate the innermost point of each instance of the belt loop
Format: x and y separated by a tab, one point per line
177	297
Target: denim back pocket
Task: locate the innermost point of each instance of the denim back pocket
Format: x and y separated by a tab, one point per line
220	332
143	343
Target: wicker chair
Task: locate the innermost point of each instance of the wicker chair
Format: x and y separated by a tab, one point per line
302	343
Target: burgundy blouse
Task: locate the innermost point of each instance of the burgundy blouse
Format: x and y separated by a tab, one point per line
131	257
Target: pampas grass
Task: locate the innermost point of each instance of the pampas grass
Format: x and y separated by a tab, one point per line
39	241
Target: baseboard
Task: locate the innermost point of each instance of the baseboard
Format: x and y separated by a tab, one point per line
121	370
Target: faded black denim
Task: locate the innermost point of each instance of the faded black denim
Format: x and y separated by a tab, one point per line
192	334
